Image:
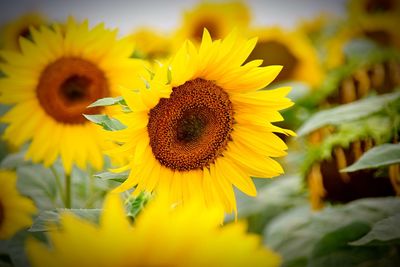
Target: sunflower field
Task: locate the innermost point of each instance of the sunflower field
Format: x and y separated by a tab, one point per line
220	142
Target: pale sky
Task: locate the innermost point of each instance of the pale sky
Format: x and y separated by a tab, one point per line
164	15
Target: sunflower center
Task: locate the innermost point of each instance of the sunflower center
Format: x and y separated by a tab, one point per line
192	128
275	53
1	214
67	86
377	6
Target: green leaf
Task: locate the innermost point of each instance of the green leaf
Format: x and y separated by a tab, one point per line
348	112
378	156
109	124
138	54
14	160
107	101
333	249
118	177
136	204
384	231
284	192
295	233
4	264
359	47
49	219
38	183
16	249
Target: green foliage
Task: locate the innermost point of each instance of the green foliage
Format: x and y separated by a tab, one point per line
348	112
49	219
15	250
136	204
13	160
378	156
38	183
275	196
333	249
385	231
109	124
306	238
117	177
377	128
356	49
108	101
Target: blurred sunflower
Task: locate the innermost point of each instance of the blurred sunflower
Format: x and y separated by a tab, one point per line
313	28
373	8
203	124
292	50
51	83
218	18
159	237
150	44
381	31
15	210
334	148
11	32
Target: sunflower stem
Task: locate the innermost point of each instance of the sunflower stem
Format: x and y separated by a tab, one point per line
58	183
91	189
68	191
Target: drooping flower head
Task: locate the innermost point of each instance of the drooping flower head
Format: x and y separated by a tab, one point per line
362	9
380	31
51	82
159	237
11	32
203	123
15	210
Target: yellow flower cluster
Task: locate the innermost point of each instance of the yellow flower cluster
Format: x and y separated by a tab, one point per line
160	237
189	128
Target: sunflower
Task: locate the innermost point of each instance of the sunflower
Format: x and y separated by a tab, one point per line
293	50
341	148
373	8
202	124
159	237
218	18
53	80
381	31
11	32
151	44
15	209
315	27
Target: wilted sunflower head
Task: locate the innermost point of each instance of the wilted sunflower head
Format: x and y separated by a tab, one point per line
218	18
11	32
203	123
339	148
360	9
51	82
15	210
292	50
381	32
160	236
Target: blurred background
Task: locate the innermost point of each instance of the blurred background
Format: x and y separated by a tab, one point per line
164	15
337	203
